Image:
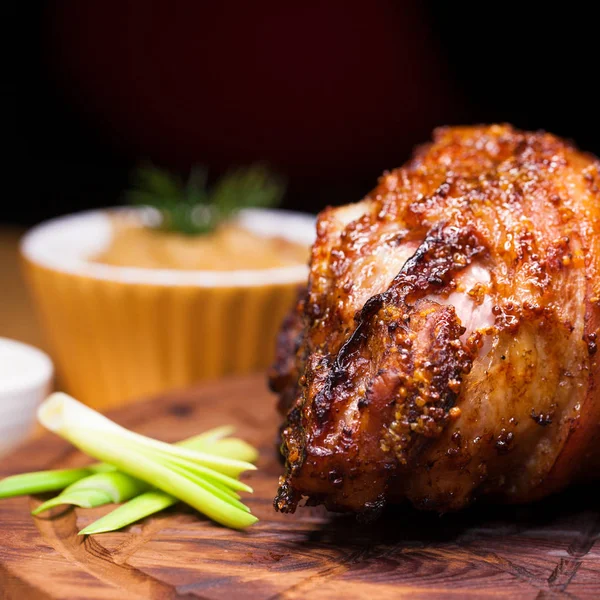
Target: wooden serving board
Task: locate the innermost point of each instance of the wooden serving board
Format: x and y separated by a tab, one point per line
546	550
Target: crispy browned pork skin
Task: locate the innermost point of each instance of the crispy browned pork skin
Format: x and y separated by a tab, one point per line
445	348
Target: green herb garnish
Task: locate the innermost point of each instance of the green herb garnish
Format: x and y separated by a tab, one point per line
46	481
97	490
146	474
206	481
191	208
107	485
138	508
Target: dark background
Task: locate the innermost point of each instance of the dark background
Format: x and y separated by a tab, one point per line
329	93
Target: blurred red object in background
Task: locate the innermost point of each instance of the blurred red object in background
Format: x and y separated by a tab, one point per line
314	88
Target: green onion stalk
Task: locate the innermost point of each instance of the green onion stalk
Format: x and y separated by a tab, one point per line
147	474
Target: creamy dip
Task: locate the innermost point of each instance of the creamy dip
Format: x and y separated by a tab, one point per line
230	247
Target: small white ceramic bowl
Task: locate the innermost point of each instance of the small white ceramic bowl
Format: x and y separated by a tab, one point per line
25	378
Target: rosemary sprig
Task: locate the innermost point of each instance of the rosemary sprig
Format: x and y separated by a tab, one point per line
191	207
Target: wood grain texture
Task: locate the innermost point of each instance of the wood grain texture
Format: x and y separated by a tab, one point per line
542	551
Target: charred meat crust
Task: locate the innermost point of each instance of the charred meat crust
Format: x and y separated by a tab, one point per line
489	229
443	252
404	359
284	373
429	383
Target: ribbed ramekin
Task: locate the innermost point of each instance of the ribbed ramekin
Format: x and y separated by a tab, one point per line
120	333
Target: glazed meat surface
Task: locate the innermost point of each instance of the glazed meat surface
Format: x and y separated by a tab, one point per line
445	347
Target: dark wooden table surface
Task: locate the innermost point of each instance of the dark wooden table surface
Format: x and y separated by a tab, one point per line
546	550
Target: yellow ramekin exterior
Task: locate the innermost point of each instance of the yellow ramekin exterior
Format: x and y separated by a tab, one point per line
114	342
